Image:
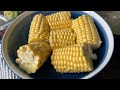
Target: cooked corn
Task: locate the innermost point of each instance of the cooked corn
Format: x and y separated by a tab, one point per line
72	59
86	31
32	56
39	29
61	38
11	14
59	20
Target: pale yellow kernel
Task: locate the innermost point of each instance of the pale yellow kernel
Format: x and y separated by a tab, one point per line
74	53
75	66
84	36
64	62
78	65
70	58
62	68
71	68
58	67
68	68
73	58
71	64
67	57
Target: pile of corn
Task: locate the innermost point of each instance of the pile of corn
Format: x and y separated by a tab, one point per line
34	54
70	41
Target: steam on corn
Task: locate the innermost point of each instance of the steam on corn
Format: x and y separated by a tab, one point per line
86	31
32	56
59	20
72	59
61	38
39	29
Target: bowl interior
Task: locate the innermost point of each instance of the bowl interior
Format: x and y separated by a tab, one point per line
17	35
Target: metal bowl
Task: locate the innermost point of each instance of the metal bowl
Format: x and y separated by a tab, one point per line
17	35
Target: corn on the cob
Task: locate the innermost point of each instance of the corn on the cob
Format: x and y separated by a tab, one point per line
59	20
72	59
39	29
61	38
87	47
32	56
86	31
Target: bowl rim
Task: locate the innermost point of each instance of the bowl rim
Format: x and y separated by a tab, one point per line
101	66
110	49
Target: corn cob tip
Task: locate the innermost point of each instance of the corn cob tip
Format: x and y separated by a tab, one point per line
86	31
32	56
39	29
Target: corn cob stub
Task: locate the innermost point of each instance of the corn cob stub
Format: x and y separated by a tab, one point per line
61	38
39	29
32	56
86	31
71	59
59	20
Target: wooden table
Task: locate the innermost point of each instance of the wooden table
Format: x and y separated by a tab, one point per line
112	70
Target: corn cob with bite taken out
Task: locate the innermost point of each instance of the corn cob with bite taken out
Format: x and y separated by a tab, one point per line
32	56
73	59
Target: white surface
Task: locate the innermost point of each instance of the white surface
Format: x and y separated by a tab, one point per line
5	72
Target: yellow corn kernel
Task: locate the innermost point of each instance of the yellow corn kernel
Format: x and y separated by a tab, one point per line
86	31
75	63
39	29
61	38
87	47
32	56
59	20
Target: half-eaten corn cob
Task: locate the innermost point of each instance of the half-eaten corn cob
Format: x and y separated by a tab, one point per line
32	56
39	29
86	31
61	38
72	59
59	20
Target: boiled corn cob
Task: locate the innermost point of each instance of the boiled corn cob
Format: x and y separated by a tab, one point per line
87	47
32	56
59	20
39	29
72	59
61	38
86	31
